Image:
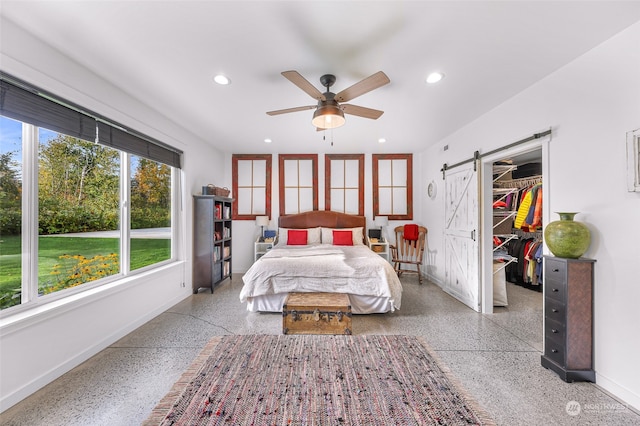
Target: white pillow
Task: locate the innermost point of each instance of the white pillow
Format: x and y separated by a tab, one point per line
357	233
313	236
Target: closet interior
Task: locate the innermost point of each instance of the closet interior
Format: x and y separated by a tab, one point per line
517	224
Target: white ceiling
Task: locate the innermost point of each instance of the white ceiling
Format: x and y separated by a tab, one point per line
165	53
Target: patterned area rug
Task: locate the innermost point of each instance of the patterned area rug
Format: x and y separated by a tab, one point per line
316	380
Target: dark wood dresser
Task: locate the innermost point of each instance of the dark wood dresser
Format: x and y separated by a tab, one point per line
568	318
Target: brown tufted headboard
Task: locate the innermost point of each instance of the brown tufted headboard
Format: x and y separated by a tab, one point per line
325	218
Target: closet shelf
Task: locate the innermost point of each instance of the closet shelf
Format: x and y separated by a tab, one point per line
504	213
526	234
507	262
502	169
501	194
506	238
504	191
517	183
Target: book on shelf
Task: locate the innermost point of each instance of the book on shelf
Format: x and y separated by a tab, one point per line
218	211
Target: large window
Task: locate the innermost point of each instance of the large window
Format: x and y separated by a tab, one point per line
251	175
150	238
83	201
78	211
298	183
10	212
344	183
392	186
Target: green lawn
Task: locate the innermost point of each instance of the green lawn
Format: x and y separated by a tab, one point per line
143	252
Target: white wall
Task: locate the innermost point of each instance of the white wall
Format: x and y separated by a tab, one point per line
39	346
590	104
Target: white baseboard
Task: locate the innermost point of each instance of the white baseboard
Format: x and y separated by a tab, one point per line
9	400
434	280
622	394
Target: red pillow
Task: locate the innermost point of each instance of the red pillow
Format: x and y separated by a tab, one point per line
342	238
297	237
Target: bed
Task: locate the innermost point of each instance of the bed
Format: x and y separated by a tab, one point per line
322	261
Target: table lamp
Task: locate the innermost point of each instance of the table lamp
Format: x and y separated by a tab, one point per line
262	221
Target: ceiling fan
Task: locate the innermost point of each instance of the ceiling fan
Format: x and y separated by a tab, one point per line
329	112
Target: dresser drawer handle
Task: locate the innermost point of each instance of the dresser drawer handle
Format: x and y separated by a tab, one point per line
556	270
553	330
555	290
555	351
554	310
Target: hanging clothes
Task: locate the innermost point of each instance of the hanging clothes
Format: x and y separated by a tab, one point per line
532	207
529	216
523	210
537	214
526	271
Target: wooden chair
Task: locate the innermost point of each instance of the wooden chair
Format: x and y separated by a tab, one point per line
408	252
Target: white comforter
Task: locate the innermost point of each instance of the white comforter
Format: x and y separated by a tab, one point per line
322	268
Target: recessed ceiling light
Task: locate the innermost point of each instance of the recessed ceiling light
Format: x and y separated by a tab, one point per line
434	77
221	79
382	140
267	140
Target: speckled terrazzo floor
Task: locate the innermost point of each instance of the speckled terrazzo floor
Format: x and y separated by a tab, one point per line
495	357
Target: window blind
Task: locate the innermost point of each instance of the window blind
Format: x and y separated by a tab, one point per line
32	105
125	141
25	106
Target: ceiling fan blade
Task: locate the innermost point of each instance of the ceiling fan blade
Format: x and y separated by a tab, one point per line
373	114
296	109
368	84
303	83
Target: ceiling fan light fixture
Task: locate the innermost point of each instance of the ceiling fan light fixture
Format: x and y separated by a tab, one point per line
328	117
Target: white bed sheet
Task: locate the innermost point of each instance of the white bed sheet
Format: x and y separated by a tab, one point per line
369	279
359	304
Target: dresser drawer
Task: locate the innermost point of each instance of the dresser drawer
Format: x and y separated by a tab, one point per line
555	330
555	290
555	269
554	350
554	309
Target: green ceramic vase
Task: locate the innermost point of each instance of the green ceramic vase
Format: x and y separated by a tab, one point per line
566	237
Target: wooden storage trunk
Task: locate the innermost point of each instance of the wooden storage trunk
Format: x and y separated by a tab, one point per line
316	313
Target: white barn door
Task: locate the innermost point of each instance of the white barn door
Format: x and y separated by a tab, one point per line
461	250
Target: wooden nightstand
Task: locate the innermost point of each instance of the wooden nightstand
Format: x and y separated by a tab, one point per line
261	248
382	248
